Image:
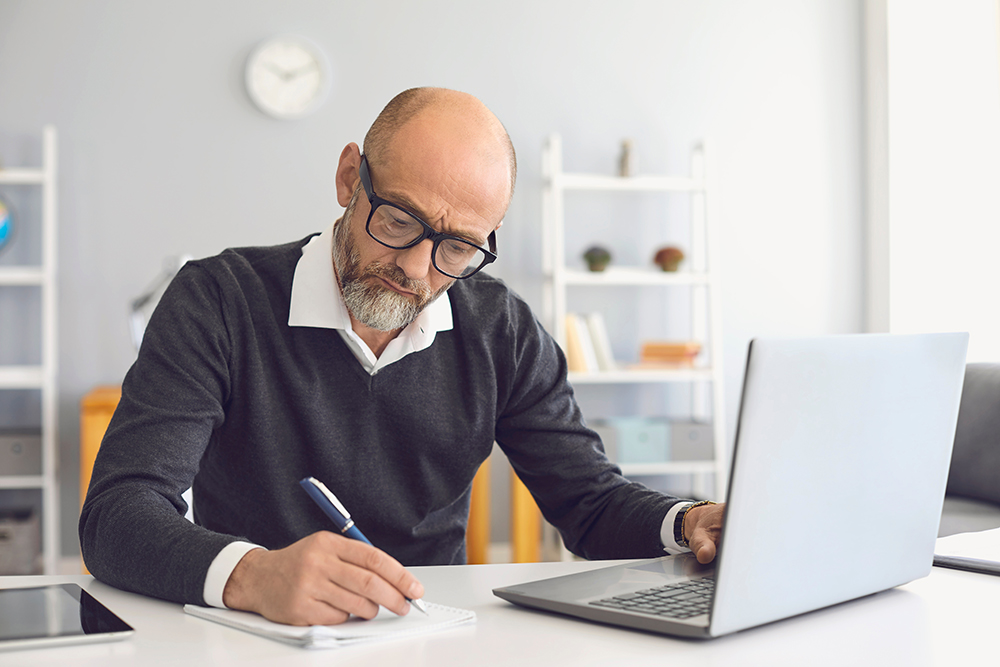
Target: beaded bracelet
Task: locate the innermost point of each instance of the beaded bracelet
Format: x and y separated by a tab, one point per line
679	523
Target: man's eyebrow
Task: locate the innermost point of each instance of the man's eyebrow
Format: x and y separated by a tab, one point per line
402	201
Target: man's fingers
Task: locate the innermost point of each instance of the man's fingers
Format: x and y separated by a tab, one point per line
339	597
386	570
704	551
364	585
320	580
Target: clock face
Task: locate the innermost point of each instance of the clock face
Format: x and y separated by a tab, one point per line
288	77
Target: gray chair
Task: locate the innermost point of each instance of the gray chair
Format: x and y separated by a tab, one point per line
972	502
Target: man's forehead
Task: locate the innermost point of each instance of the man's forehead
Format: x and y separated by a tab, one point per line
436	190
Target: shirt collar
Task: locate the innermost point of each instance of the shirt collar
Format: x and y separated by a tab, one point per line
317	301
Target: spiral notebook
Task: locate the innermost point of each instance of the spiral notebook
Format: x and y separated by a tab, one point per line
385	626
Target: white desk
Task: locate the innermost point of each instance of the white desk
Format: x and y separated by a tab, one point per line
948	618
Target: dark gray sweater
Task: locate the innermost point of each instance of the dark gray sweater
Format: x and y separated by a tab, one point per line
229	399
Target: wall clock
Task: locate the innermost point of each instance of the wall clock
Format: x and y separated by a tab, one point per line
288	77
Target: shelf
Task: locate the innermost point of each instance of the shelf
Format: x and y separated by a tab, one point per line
567	279
629	184
19	176
42	375
626	376
667	468
627	275
22	482
21	377
21	275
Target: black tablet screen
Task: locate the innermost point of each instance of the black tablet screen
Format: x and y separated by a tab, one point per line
60	610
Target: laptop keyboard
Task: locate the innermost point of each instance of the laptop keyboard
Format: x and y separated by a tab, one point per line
683	600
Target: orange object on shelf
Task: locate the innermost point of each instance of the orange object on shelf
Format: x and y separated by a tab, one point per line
96	409
659	354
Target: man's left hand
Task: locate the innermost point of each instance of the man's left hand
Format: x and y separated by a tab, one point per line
702	527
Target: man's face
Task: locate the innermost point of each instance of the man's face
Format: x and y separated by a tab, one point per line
377	292
449	173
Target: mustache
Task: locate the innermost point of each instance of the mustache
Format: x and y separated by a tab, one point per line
396	275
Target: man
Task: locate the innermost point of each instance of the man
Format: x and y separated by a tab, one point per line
369	357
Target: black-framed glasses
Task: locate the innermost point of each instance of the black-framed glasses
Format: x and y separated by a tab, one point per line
395	227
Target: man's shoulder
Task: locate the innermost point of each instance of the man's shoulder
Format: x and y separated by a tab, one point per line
483	300
239	263
483	292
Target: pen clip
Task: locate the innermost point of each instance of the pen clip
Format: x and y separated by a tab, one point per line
329	496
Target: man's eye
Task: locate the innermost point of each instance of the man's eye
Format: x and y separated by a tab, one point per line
457	249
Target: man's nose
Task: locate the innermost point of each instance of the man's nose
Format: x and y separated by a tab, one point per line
416	261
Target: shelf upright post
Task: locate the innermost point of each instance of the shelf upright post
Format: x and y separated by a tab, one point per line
715	333
50	350
699	293
555	258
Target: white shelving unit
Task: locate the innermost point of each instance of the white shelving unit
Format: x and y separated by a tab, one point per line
699	274
44	375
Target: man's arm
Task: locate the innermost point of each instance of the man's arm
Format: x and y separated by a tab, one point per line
132	528
599	513
133	533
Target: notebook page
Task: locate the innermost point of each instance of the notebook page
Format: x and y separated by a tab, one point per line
984	545
386	625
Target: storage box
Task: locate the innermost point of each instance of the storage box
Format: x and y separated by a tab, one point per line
20	542
635	439
692	441
20	452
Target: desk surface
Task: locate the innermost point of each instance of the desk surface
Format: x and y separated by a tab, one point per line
948	618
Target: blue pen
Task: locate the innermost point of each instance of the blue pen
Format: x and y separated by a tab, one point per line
341	518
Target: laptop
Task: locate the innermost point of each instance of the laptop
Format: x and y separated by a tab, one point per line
839	469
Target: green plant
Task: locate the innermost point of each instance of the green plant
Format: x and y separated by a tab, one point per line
597	258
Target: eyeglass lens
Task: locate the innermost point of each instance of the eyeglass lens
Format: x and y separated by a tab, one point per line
397	228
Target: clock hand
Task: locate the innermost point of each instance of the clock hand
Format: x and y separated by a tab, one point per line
280	73
302	70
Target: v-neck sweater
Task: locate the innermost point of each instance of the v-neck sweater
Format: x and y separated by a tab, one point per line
226	397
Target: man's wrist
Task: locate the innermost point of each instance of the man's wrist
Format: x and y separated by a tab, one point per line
680	535
221	570
670	545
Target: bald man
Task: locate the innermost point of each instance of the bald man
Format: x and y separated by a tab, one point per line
376	357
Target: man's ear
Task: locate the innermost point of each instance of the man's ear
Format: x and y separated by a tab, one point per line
347	173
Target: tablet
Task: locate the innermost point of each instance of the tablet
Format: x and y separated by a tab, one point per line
55	615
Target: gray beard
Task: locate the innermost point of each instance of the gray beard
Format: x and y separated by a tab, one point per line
371	304
378	307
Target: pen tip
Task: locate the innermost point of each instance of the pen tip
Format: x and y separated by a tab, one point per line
419	604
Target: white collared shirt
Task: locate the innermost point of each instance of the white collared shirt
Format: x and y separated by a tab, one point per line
317	302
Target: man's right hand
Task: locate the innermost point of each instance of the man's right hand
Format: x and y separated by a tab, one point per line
320	580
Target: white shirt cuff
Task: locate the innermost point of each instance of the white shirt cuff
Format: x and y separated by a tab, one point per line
220	569
667	530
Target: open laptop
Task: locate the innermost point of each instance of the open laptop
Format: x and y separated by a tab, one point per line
838	476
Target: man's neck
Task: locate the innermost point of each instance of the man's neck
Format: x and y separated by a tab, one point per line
375	340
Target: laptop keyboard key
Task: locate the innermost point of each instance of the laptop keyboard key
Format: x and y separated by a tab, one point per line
683	600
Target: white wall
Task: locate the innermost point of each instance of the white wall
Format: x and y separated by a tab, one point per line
162	153
943	63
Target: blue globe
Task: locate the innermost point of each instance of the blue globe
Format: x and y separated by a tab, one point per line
5	224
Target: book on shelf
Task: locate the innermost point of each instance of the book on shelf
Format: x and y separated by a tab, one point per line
668	354
587	346
602	344
575	358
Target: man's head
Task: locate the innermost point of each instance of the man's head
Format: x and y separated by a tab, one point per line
443	156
